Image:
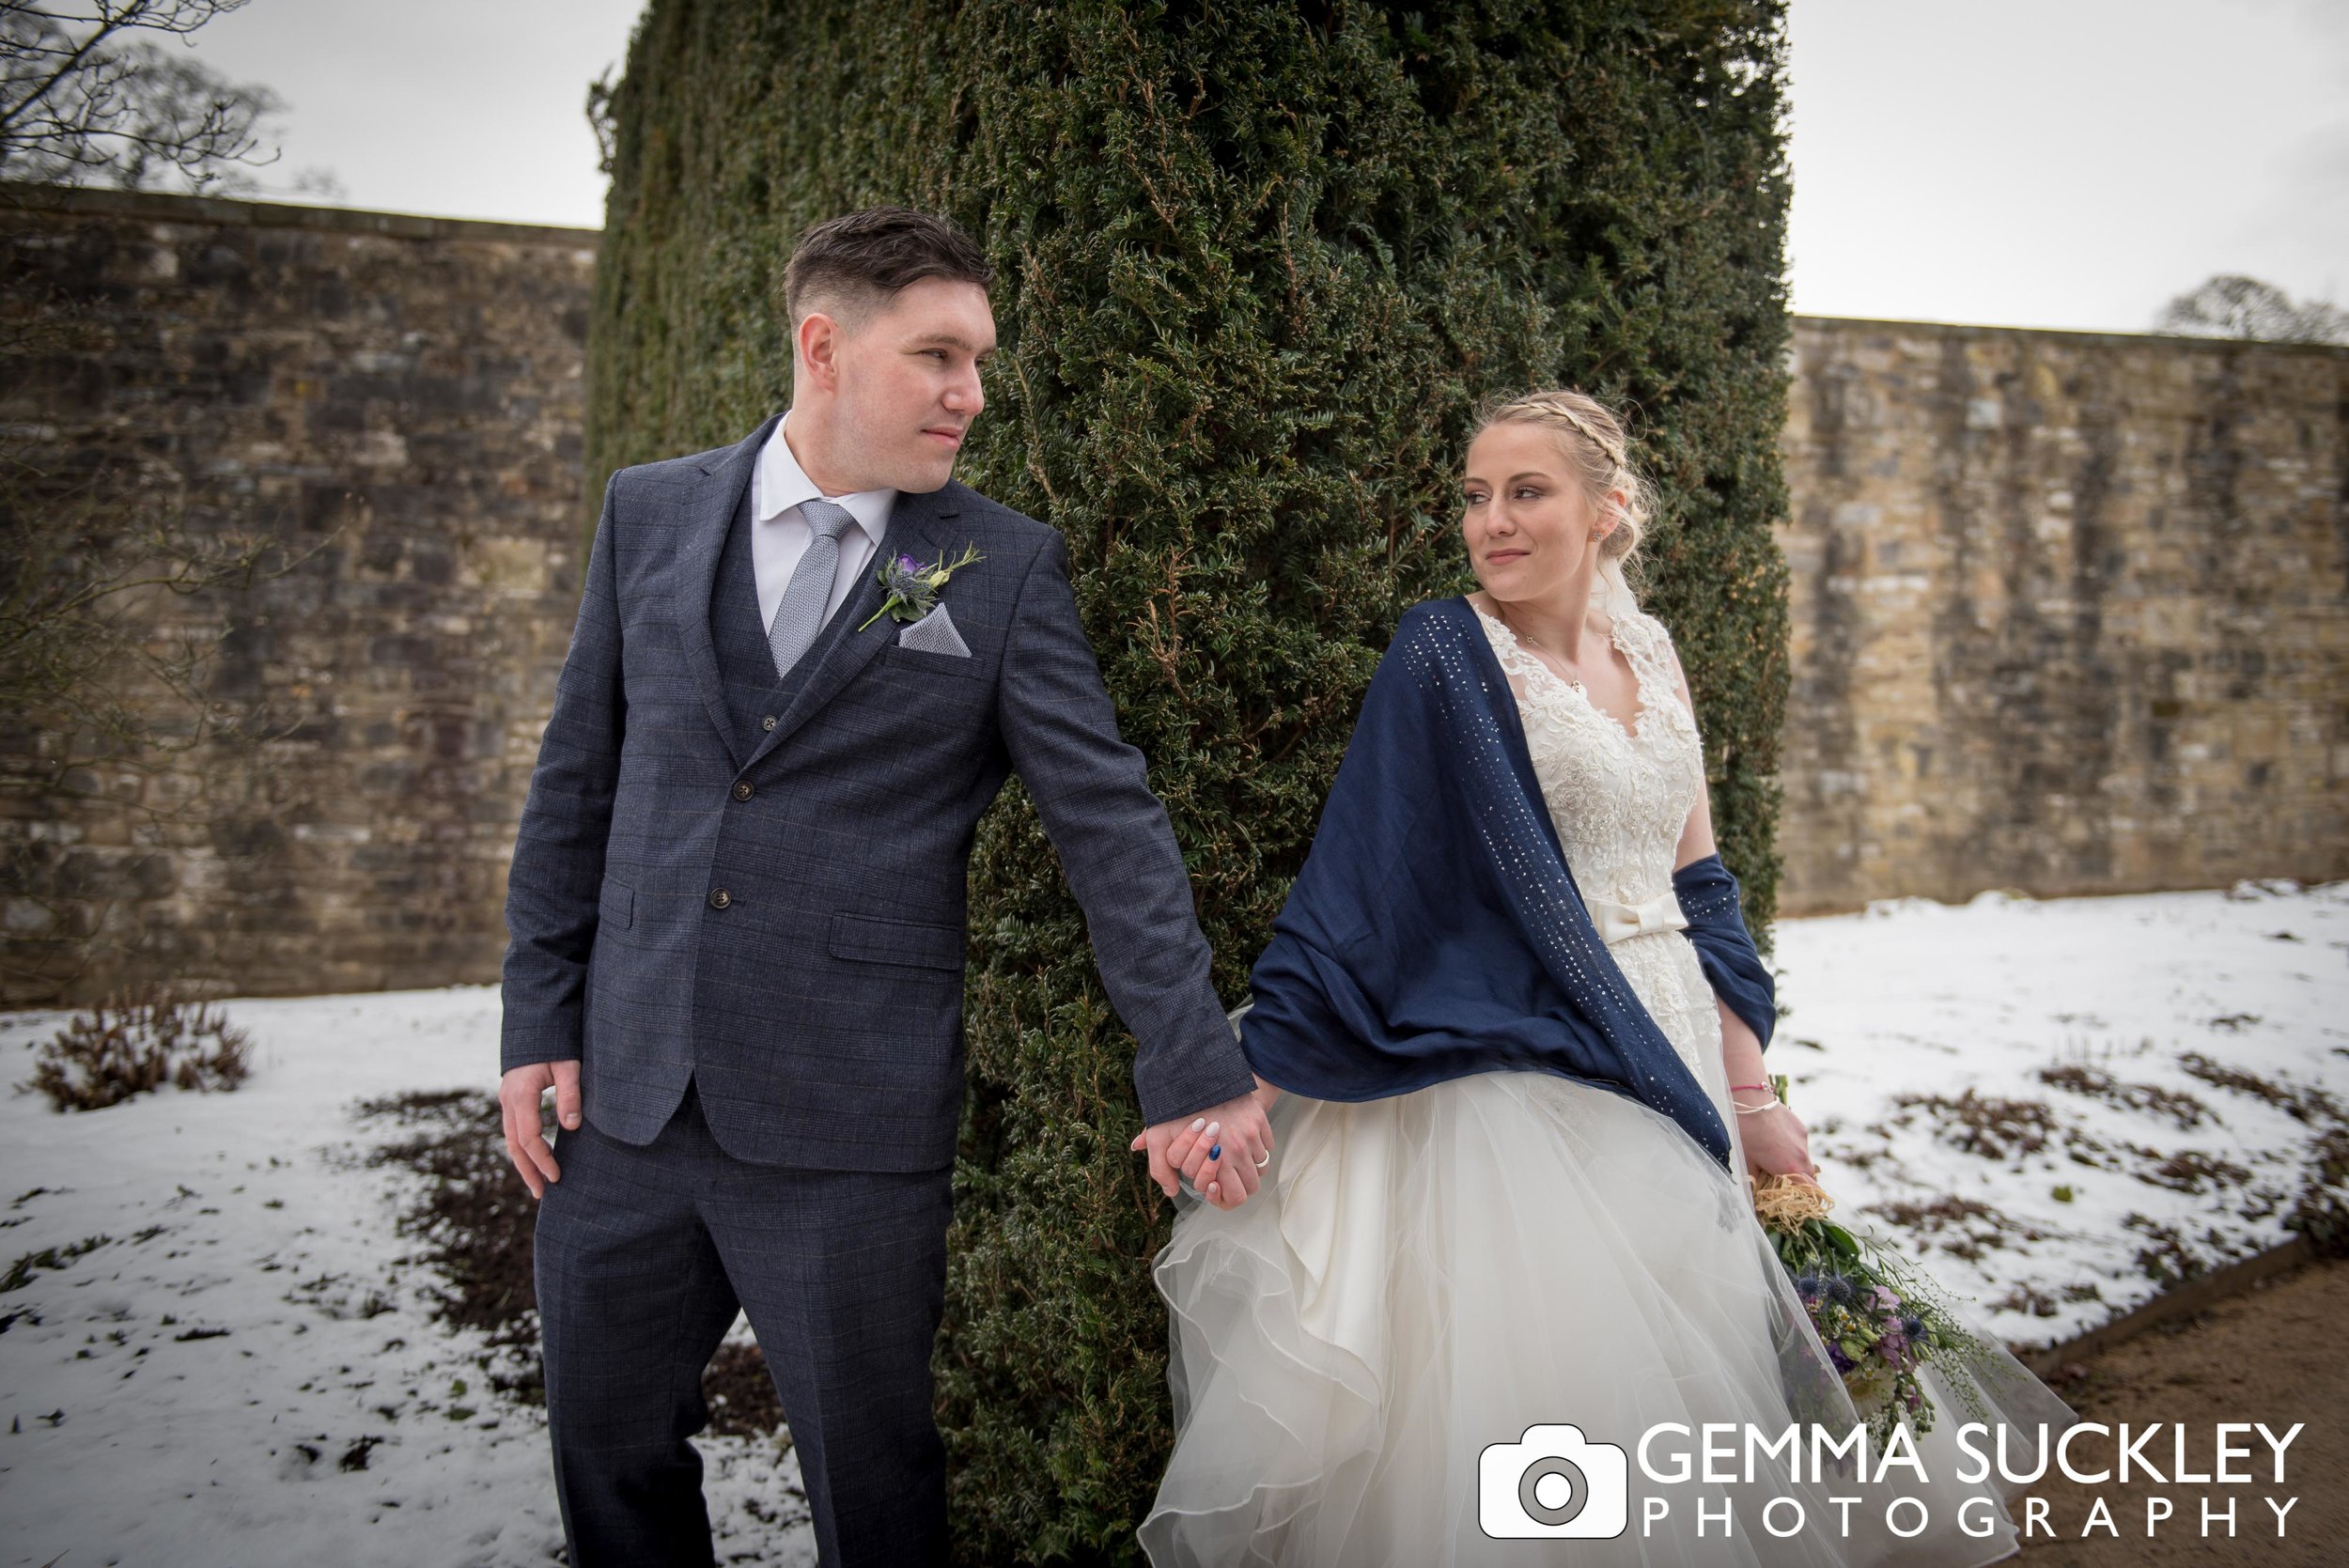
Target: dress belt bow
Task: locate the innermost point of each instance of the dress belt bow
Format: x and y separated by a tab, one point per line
1616	922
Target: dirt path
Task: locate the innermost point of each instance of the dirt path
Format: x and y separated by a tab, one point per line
2274	1355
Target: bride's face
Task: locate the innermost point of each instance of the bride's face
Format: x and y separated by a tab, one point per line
1526	521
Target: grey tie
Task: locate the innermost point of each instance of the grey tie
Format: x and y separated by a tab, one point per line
801	615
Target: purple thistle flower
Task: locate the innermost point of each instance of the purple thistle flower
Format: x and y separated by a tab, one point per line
911	586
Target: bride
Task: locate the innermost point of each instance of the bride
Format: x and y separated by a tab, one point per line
1509	1033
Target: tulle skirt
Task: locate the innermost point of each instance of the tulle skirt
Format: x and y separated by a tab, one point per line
1424	1276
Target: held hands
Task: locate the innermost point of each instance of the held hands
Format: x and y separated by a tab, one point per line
1221	1151
519	1094
1777	1144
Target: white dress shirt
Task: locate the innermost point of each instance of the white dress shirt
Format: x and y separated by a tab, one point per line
780	535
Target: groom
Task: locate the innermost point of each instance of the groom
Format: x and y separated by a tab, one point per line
737	910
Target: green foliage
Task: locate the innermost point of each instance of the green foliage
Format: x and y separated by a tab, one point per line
1259	261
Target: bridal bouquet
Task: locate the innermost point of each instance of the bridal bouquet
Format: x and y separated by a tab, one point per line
1879	1320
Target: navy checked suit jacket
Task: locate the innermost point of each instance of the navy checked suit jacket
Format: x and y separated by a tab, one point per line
779	913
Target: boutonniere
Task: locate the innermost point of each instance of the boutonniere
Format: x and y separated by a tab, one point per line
913	587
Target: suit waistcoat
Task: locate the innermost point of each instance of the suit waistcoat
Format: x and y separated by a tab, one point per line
746	664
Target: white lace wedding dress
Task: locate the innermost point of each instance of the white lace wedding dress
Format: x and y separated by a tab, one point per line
1424	1275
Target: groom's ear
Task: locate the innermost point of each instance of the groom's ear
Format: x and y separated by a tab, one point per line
815	344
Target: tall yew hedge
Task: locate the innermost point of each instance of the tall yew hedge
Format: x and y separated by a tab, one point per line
1258	262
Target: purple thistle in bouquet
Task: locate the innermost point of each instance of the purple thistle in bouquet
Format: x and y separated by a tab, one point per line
1880	1322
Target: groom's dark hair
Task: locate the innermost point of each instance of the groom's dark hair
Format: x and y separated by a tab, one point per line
850	265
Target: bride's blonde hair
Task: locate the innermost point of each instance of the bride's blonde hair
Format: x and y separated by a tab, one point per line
1597	449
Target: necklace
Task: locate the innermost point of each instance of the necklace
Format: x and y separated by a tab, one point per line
1529	642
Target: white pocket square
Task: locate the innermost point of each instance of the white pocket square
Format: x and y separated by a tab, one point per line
934	634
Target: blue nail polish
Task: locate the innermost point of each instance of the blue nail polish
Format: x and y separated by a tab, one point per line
1216	1152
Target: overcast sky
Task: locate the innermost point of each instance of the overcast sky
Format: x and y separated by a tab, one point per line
2027	163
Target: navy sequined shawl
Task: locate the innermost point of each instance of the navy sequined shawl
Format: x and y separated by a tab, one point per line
1436	930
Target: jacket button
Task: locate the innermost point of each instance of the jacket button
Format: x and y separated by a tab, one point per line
742	789
768	722
720	898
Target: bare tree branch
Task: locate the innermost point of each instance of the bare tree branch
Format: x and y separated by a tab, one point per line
86	97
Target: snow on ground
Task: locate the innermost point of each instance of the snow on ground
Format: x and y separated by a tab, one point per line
191	1389
2134	1153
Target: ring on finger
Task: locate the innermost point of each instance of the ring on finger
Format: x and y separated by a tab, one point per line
1265	1160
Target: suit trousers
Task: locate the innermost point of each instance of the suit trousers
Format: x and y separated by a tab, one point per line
644	1255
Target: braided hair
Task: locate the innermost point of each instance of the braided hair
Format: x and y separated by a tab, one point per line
1597	449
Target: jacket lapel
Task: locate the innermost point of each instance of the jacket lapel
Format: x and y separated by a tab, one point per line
915	527
708	514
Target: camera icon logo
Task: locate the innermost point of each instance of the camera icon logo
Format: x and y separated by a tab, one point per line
1594	1503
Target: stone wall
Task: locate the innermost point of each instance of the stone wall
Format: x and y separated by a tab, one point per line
2070	612
397	403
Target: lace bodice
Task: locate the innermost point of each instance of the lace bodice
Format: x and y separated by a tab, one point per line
1620	800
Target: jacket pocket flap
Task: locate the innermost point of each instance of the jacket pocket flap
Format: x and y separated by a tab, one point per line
870	939
616	905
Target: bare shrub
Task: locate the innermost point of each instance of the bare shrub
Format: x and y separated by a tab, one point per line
1963	1227
1984	1124
2322	1212
134	1044
2178	1106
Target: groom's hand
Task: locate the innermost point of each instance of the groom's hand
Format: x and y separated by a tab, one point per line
518	1095
1220	1150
